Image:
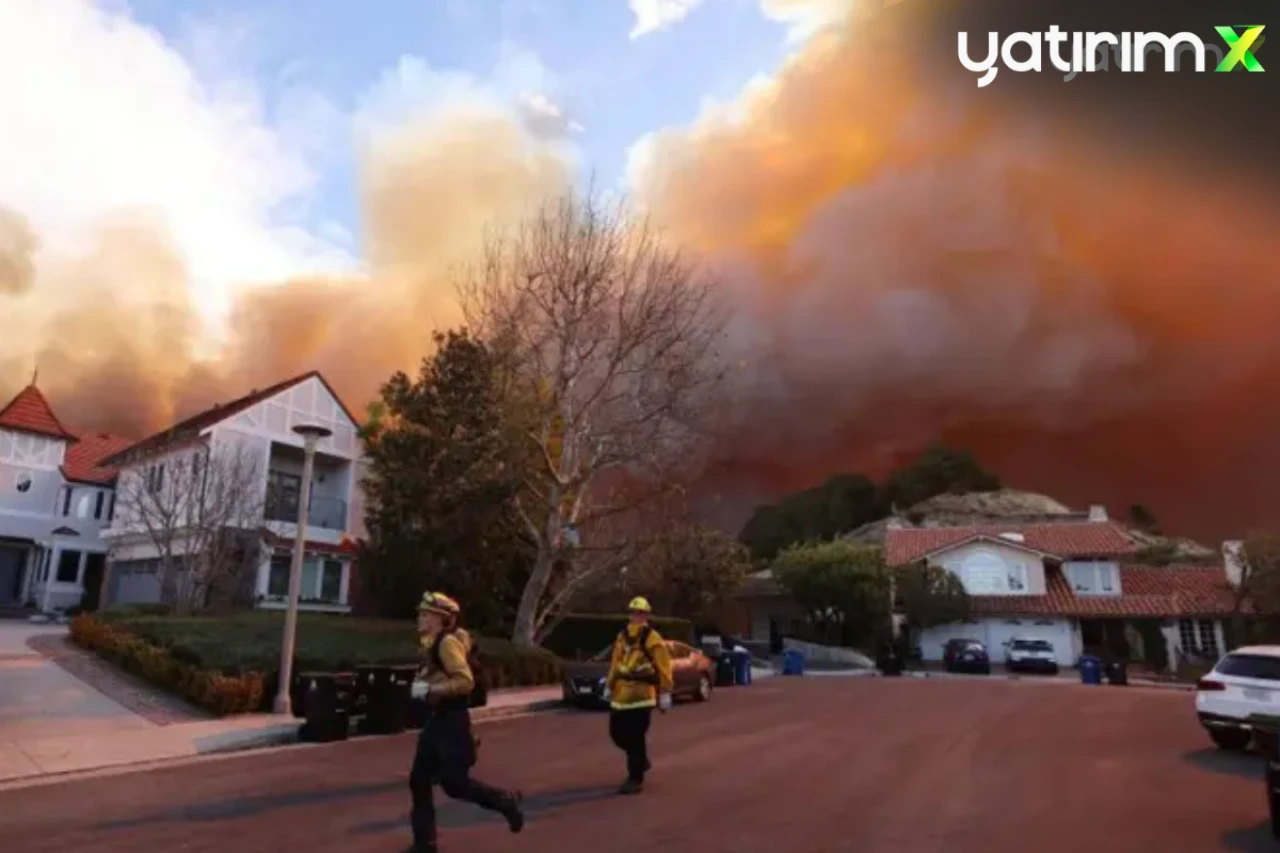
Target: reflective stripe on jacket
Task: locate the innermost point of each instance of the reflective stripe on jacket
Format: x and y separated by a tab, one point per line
635	679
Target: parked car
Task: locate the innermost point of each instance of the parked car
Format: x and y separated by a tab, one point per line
1023	655
966	656
691	670
1244	682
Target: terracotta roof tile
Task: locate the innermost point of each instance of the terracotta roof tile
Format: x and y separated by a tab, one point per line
1064	540
83	460
29	411
1145	592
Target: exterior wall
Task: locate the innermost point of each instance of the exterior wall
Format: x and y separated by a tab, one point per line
29	475
985	567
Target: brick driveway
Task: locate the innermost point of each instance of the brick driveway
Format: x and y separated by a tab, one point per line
808	766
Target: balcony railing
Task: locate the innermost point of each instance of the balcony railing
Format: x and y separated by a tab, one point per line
324	512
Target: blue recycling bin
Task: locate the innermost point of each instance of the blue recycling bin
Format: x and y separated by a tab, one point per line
742	668
1090	669
792	662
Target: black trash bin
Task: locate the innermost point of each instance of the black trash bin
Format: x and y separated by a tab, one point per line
1118	673
386	698
328	699
890	662
725	670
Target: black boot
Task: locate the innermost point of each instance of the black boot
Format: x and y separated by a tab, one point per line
631	786
512	812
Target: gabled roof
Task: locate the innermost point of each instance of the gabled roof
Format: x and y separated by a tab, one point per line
190	428
1062	540
30	412
83	461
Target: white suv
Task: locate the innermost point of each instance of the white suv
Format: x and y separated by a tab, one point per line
1244	682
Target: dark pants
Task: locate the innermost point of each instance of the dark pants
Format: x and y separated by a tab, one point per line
630	730
445	755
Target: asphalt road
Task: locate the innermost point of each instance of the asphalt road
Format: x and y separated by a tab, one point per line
786	766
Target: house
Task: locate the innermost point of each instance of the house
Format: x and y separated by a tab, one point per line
1073	584
56	496
225	485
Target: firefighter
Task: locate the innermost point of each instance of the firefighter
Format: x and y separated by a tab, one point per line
639	680
446	750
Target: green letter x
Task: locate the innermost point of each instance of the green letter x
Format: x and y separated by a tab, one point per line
1240	45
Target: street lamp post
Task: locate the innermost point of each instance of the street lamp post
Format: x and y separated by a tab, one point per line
311	434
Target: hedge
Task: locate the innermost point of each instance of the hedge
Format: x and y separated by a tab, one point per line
581	635
245	647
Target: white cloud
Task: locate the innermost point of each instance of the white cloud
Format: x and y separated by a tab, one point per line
806	18
655	15
100	115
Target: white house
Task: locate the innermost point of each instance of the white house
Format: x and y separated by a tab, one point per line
56	497
1068	583
257	428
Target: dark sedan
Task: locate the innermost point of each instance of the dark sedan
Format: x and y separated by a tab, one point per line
966	656
691	670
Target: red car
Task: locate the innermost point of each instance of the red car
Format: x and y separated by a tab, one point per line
691	670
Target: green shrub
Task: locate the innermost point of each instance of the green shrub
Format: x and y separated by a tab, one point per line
581	635
244	645
125	612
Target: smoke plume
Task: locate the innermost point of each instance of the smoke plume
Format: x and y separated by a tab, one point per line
910	263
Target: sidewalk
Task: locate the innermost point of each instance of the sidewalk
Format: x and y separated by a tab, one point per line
23	760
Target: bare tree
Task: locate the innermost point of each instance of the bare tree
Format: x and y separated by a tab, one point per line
195	509
610	337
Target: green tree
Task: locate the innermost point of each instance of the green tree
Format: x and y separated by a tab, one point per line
843	589
929	595
1256	589
939	470
689	569
442	480
818	514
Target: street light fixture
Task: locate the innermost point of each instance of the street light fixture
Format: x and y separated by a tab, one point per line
311	435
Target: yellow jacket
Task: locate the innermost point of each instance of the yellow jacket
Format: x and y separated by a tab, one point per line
636	678
453	678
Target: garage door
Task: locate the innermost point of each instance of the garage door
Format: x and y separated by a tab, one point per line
1056	632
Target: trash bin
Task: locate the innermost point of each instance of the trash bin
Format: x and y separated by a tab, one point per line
890	663
725	674
741	667
1118	673
1090	669
327	704
792	662
386	693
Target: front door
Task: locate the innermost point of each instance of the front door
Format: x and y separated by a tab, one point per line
94	565
12	562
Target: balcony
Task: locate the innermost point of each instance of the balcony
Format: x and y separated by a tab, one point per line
324	512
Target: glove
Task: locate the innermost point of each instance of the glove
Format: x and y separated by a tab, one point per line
420	690
664	702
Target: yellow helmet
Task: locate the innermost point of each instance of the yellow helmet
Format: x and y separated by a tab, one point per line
438	602
640	604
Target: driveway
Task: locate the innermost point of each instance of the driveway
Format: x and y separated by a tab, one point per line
790	765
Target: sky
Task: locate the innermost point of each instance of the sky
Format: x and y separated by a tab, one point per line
242	123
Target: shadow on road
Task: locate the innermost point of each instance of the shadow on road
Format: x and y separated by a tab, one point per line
1256	839
1243	764
454	815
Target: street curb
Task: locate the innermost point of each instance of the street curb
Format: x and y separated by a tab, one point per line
951	676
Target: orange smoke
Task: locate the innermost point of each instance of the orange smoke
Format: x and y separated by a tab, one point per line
909	265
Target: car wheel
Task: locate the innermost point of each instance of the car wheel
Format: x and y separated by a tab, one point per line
703	693
1233	739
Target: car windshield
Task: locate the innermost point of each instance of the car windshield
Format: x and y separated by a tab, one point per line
1263	667
1032	646
974	646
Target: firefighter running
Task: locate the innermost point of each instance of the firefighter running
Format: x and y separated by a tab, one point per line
446	750
639	680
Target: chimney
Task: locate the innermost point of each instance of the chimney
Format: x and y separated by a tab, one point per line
893	523
1233	560
1097	512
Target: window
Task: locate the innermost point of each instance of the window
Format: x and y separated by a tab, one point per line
23	484
97	506
1032	646
1250	666
1208	638
278	577
310	577
1187	635
66	500
1092	578
82	505
68	567
155	478
331	582
1017	578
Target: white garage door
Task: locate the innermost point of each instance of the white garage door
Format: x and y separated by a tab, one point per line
1057	632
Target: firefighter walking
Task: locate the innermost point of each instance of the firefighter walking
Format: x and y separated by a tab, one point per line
446	749
639	680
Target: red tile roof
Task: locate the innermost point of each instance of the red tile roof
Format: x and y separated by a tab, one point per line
83	460
1064	540
188	429
1145	592
30	412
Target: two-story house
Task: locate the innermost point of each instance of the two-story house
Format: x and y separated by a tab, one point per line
1073	584
56	496
238	467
